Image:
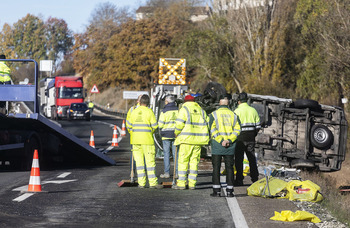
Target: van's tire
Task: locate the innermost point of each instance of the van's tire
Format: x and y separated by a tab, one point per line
302	163
306	103
321	137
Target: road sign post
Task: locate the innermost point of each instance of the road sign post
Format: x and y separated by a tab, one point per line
133	95
94	90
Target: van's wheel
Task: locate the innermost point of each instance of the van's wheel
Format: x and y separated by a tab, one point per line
321	137
32	143
302	163
306	103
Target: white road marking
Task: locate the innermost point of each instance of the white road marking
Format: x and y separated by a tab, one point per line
108	149
63	175
23	197
237	215
21	189
58	181
25	187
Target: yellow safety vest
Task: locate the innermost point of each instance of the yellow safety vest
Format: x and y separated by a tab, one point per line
142	125
4	73
225	125
166	123
191	125
248	116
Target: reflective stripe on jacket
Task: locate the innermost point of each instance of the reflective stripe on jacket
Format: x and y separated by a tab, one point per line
142	125
166	121
225	125
248	116
128	116
191	125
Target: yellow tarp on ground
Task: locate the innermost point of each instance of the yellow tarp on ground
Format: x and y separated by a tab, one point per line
257	189
303	191
289	216
292	190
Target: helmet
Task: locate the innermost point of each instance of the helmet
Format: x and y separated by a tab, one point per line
243	97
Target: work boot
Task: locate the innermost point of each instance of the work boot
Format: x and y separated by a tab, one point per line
158	186
229	192
216	192
165	175
141	186
178	187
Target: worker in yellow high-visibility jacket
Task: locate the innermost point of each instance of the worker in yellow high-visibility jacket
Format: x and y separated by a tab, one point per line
5	79
142	125
166	124
5	72
224	128
132	160
191	131
250	125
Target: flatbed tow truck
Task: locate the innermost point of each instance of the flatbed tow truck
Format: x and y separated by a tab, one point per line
22	133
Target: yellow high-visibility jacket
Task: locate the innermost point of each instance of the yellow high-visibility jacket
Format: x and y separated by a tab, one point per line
225	125
142	125
248	116
5	73
166	121
191	125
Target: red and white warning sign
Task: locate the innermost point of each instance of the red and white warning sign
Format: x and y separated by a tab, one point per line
94	89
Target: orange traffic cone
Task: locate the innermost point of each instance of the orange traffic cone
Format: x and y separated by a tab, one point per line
34	181
123	132
92	139
115	137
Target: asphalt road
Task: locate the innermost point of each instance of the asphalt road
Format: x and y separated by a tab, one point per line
90	196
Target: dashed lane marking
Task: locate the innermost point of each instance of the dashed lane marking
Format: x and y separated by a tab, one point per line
63	175
25	188
108	149
23	197
237	215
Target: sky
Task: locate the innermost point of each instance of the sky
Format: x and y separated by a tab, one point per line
76	13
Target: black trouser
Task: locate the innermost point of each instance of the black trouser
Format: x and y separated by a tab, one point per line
216	161
248	148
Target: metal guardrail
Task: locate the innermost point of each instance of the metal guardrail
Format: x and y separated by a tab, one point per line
110	111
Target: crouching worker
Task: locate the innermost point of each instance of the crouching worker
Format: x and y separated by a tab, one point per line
224	128
142	125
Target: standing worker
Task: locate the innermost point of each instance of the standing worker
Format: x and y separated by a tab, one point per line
5	79
166	124
224	128
191	131
128	128
91	107
250	125
5	72
142	125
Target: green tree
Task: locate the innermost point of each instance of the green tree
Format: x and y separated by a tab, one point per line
91	46
324	28
59	39
31	38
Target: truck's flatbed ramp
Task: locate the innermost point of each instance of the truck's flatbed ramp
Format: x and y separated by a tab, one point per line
60	143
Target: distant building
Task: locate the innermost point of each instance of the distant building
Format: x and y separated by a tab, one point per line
143	12
238	4
198	13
